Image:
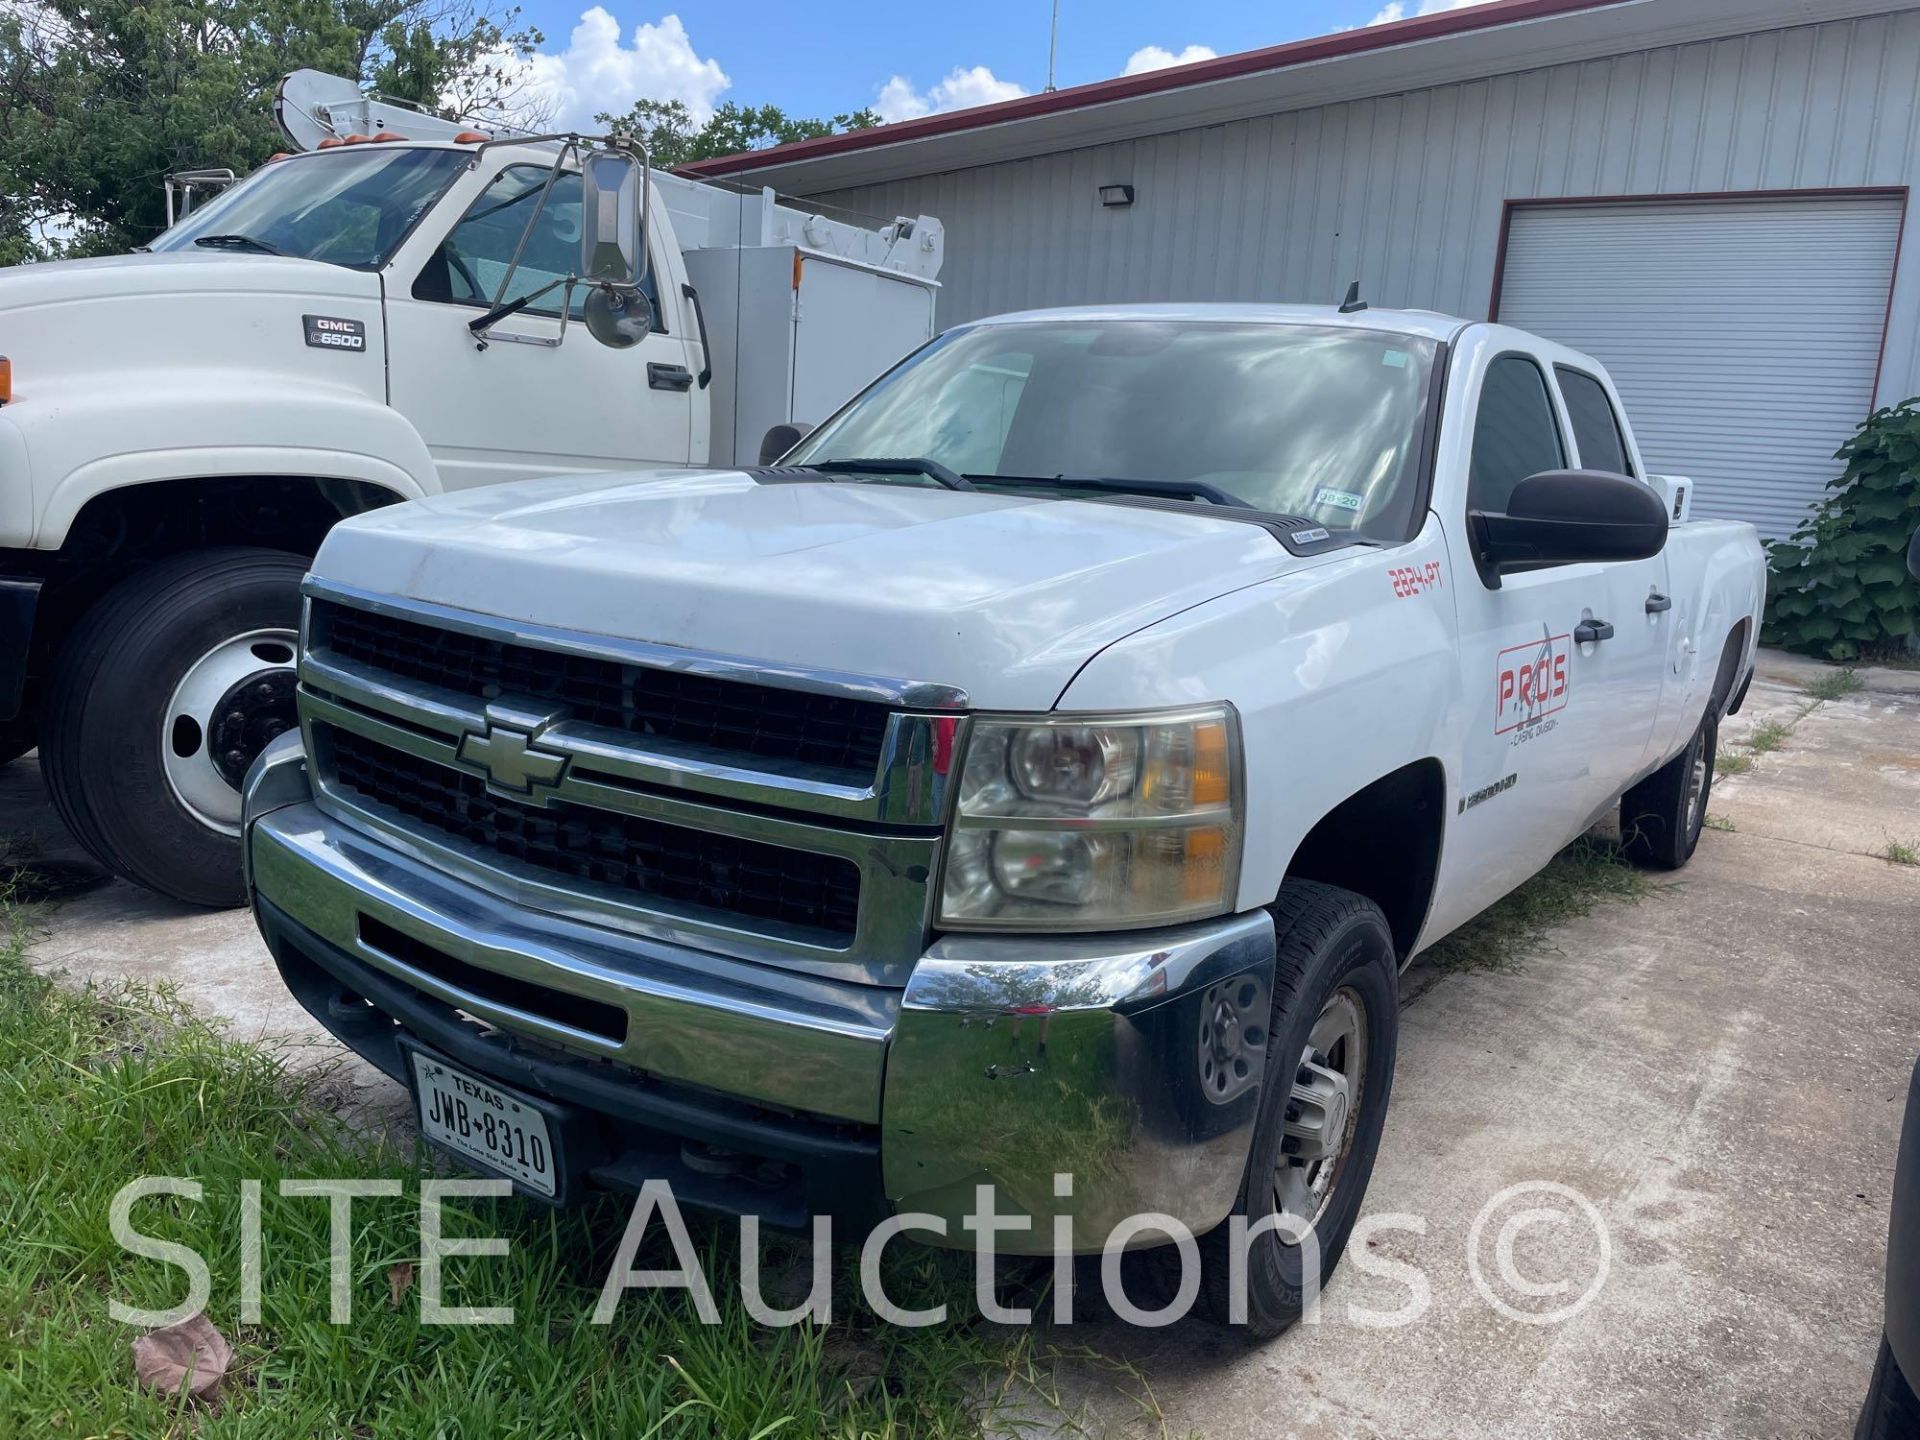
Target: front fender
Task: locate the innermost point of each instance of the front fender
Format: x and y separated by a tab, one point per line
1338	682
81	442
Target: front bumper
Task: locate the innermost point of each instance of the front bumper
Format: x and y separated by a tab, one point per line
1006	1061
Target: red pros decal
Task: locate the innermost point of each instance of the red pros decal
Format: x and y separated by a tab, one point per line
1531	682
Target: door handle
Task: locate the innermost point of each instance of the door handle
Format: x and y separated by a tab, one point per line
1592	632
1658	604
668	377
700	321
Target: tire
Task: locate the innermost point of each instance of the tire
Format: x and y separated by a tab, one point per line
1335	949
1892	1411
1661	818
144	741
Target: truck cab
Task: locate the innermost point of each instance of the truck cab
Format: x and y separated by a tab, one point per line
398	308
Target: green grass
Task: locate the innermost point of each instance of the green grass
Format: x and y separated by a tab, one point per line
1731	762
1899	852
98	1086
1720	822
1768	735
1502	939
1834	685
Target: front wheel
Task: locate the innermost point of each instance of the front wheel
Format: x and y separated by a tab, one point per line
1661	817
1329	1073
164	694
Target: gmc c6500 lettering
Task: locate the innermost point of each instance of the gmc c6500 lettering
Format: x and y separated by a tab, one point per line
1047	767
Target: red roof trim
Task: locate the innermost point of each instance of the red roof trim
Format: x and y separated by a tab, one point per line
1126	87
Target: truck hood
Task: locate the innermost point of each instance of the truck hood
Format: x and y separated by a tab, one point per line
76	320
1004	596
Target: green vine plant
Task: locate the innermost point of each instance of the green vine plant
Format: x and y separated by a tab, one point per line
1840	588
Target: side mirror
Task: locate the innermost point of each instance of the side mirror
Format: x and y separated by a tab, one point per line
1568	517
613	219
779	439
1913	556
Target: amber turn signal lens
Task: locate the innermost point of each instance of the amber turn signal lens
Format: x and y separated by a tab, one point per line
6	380
1212	774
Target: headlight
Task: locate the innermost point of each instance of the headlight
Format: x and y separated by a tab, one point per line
1079	822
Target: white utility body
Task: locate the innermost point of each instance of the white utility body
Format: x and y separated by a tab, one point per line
302	347
1047	767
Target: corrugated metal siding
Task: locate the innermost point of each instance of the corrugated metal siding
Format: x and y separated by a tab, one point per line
1743	335
1406	191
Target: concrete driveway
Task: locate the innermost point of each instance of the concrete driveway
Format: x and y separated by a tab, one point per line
1717	1071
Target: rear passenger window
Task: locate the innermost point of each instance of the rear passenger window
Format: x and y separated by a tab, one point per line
1515	434
1596	429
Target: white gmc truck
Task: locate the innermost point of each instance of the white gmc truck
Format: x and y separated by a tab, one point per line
402	307
1046	769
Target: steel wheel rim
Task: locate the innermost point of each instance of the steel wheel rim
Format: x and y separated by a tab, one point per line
221	685
1696	785
1304	1184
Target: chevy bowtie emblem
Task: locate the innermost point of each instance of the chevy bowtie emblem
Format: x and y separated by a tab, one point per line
511	759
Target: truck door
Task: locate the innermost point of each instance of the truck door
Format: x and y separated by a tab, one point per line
531	403
1628	667
1539	708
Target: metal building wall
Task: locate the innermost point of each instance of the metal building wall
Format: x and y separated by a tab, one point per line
1406	191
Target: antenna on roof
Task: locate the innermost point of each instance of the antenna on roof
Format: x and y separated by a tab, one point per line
1053	46
1353	304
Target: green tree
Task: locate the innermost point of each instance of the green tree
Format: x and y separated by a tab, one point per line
101	99
673	139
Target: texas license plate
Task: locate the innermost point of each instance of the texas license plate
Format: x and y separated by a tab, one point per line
479	1121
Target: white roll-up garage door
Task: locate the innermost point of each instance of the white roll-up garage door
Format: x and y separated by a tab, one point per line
1744	334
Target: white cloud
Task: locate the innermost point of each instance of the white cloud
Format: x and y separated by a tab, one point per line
1397	10
1154	57
963	88
597	72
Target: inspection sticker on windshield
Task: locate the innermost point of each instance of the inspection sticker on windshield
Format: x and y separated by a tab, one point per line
1339	499
327	332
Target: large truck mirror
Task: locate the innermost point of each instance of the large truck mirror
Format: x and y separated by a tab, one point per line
1913	556
613	219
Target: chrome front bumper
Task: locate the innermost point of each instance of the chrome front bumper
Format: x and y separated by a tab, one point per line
1006	1061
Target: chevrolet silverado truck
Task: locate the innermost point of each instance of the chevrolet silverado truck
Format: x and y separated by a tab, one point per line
400	306
1045	770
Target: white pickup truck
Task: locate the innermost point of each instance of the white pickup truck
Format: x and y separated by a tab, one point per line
1047	768
179	428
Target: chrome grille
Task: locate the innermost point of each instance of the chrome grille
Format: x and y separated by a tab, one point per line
527	761
646	858
760	721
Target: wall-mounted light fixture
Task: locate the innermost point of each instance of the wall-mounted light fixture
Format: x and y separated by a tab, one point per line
1114	196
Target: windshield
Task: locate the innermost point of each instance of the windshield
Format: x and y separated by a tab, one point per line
1294	419
350	206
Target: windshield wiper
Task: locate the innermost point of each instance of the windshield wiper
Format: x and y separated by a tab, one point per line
932	469
1170	489
238	242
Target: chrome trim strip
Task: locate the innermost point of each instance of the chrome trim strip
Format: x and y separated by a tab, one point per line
804	1044
910	788
906	694
895	898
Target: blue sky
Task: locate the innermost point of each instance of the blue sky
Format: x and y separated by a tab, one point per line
824	56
